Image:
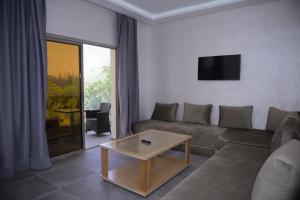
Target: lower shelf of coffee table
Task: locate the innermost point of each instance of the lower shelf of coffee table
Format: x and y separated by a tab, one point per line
163	168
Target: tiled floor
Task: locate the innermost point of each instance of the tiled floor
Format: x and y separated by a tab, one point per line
93	140
77	177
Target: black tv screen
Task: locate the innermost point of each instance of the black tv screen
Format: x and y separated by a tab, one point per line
225	67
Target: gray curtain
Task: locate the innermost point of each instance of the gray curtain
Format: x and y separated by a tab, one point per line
22	86
127	74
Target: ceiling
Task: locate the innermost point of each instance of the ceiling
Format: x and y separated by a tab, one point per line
155	11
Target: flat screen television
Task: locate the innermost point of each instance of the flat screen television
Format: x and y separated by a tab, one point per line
226	67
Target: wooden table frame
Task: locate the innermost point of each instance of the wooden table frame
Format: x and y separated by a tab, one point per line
145	185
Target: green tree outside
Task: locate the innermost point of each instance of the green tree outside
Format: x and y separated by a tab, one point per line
97	88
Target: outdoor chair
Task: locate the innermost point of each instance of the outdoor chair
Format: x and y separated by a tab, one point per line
98	120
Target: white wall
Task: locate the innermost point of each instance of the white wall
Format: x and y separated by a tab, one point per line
268	37
82	20
147	69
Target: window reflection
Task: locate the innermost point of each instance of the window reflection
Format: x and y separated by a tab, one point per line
63	108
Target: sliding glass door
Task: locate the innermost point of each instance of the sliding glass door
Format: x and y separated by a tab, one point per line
63	108
99	87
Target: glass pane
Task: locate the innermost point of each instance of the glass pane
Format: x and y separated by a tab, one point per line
63	109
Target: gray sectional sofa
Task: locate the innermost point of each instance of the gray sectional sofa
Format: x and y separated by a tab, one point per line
208	139
236	158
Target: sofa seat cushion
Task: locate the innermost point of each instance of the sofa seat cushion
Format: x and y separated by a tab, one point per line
204	137
229	174
253	137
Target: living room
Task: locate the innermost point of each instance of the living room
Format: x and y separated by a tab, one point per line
238	132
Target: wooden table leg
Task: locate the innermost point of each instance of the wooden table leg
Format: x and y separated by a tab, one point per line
104	163
145	168
187	150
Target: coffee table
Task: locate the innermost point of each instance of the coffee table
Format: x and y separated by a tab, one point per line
150	168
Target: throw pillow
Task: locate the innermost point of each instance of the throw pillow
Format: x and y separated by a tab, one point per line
235	117
198	114
165	112
275	117
289	129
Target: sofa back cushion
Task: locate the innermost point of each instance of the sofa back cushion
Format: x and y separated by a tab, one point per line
165	112
198	114
235	117
289	129
279	177
275	117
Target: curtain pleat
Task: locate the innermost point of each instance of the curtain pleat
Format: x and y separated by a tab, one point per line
23	78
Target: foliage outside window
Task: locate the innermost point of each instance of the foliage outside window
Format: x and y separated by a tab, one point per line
97	87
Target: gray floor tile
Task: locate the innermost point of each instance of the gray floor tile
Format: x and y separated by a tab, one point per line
18	176
162	190
93	139
27	189
153	196
125	194
92	160
60	163
57	195
91	188
66	175
92	164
